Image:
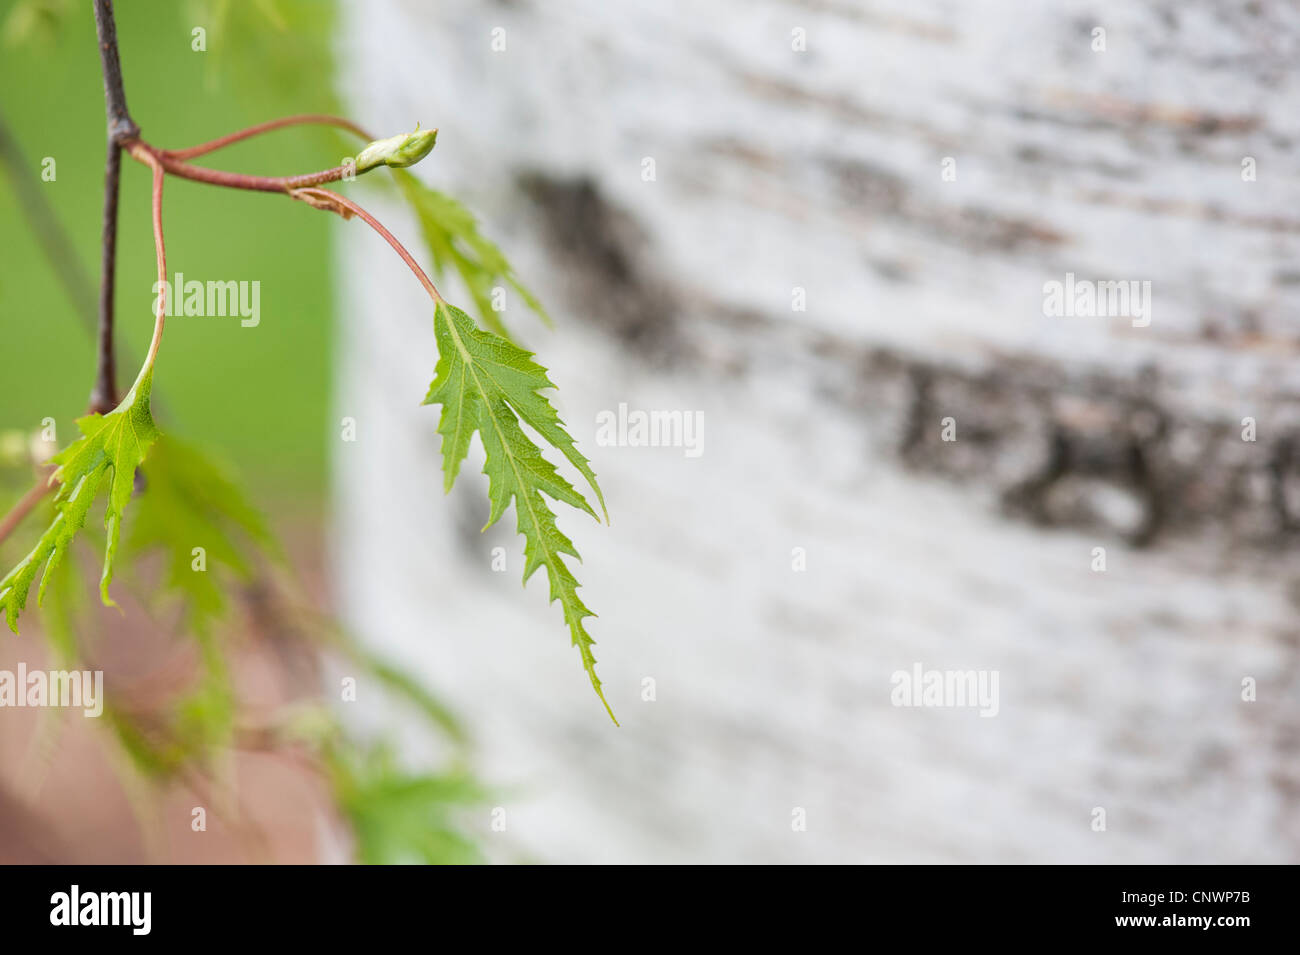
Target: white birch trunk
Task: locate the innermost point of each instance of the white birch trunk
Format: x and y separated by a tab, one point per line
821	170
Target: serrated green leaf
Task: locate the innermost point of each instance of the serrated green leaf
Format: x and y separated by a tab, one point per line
112	446
486	384
453	238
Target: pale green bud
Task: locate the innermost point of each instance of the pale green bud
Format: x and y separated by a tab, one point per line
404	150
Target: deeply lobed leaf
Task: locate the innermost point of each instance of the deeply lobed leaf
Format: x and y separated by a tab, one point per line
487	385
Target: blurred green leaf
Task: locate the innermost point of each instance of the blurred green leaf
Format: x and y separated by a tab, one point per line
283	44
453	238
41	21
403	685
190	501
399	817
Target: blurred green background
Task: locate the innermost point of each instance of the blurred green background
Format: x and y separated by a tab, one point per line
258	395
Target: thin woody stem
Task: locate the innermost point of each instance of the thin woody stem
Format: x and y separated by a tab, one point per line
121	127
325	199
303	119
236	180
302	187
104	395
120	124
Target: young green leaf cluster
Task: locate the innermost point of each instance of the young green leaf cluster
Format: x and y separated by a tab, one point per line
486	384
110	449
183	502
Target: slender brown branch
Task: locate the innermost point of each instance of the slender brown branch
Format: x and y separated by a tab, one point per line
238	180
120	124
303	119
60	251
325	199
26	504
121	127
103	396
301	187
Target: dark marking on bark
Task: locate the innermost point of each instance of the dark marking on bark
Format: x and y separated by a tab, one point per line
604	250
